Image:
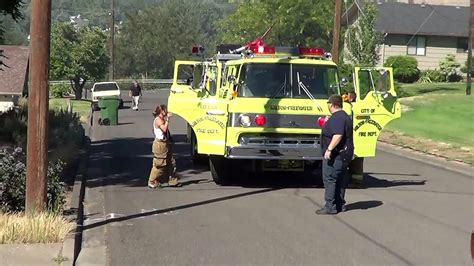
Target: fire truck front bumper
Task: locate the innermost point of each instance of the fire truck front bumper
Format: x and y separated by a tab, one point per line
280	152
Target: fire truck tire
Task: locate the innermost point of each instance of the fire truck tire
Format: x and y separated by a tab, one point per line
196	158
220	170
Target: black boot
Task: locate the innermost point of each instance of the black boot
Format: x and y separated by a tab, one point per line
324	211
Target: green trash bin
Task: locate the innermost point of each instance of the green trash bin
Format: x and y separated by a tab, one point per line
109	110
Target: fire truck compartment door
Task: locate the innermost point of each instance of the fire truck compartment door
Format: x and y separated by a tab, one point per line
375	106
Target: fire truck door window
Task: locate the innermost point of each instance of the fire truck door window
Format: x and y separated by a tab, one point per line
365	84
377	80
185	74
224	76
381	80
212	80
197	76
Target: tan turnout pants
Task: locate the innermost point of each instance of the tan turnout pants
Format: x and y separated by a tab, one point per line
164	164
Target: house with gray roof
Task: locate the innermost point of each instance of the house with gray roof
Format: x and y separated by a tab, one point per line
13	75
425	31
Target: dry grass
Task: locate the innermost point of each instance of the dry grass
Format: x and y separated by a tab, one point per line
40	228
449	151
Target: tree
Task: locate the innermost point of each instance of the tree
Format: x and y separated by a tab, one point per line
295	23
152	39
11	8
363	40
450	68
78	56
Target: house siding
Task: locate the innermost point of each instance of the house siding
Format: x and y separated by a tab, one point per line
437	2
437	47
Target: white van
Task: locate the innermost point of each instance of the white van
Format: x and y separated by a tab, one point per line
103	89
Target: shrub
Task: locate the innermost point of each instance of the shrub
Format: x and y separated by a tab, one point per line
59	90
13	183
450	68
13	126
432	75
405	68
64	127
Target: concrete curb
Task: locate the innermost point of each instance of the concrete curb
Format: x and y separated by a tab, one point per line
90	244
433	160
72	244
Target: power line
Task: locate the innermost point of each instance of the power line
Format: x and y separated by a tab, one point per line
421	26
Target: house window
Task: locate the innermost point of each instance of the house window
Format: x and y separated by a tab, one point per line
417	46
462	46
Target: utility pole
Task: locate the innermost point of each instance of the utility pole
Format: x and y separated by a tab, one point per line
112	40
336	32
38	97
469	49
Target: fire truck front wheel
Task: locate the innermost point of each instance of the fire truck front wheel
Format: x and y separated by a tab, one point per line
220	170
197	159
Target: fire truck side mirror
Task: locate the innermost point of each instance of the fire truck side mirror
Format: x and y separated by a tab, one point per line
231	79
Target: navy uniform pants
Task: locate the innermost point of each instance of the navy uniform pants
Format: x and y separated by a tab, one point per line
335	182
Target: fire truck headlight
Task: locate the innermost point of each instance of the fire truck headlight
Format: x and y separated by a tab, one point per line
245	120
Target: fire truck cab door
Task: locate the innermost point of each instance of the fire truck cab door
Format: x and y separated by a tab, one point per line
375	106
197	102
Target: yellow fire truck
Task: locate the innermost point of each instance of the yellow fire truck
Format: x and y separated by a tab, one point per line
261	108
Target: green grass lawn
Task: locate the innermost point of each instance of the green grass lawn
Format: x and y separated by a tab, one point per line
440	112
447	118
82	107
408	90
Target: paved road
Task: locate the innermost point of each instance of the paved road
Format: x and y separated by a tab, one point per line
410	213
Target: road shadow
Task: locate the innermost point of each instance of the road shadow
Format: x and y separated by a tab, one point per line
372	181
363	205
278	180
128	161
180	207
392	174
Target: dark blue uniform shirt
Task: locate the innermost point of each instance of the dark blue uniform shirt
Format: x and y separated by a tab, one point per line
340	123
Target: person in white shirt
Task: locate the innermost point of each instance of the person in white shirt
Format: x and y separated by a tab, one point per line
163	161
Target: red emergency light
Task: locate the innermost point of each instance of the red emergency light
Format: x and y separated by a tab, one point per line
263	50
259	47
311	51
322	120
198	49
260	120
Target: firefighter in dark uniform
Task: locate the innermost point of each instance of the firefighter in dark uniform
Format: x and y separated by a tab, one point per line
338	148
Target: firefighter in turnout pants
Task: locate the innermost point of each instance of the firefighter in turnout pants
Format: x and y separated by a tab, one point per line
163	161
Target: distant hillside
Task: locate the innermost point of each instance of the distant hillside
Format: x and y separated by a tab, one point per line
93	12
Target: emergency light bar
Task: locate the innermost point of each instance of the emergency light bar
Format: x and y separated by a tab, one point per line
311	51
259	47
263	50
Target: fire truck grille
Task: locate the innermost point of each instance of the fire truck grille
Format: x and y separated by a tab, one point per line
304	140
270	146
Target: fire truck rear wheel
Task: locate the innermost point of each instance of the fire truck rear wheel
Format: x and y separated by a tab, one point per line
220	170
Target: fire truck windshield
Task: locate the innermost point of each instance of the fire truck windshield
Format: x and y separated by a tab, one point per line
281	80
